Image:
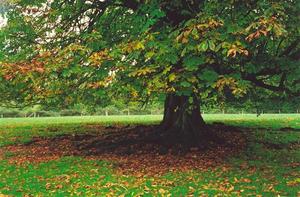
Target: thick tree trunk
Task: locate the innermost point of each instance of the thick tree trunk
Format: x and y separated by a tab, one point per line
182	117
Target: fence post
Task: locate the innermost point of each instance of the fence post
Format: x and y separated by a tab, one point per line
106	112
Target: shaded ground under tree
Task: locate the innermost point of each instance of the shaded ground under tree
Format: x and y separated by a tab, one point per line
132	148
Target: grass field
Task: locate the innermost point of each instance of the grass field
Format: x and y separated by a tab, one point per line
267	165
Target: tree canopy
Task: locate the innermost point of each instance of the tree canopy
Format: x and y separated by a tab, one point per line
143	48
66	51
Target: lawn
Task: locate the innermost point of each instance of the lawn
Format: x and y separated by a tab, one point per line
39	157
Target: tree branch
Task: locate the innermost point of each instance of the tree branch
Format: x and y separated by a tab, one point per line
260	83
290	48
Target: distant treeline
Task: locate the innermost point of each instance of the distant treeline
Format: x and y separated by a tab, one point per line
38	111
109	110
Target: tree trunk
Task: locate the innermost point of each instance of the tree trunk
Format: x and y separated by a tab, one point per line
182	117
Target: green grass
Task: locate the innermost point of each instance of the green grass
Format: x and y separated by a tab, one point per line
21	130
106	120
269	166
247	120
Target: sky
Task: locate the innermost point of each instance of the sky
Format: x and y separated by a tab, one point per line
2	21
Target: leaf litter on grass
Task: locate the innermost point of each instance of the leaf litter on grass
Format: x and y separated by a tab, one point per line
135	158
146	170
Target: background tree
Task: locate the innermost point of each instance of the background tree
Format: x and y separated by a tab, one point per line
63	52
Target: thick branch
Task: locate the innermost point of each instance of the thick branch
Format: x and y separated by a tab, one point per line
290	48
260	83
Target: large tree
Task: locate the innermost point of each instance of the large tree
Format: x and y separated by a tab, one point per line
67	51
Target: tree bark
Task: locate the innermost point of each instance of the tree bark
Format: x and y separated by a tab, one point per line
182	118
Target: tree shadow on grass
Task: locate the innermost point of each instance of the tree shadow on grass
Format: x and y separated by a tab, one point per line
133	149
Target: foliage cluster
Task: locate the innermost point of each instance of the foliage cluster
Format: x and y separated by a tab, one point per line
58	53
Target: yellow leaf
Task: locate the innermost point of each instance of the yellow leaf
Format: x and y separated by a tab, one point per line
184	40
150	54
139	45
231	52
161	191
172	77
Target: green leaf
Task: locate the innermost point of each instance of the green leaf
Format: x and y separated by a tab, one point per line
185	84
218	47
194	32
192	63
183	52
203	46
184	92
149	54
212	45
208	75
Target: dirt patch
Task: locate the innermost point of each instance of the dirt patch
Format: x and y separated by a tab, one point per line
130	149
